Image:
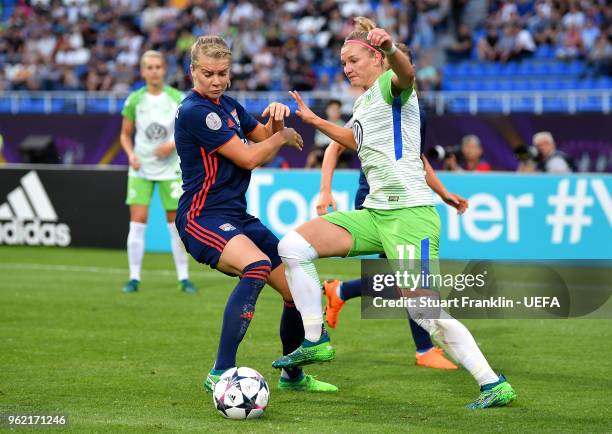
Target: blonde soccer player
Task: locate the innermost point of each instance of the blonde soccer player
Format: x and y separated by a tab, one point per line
150	112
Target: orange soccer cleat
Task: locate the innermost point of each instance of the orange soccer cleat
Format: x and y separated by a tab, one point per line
333	304
435	359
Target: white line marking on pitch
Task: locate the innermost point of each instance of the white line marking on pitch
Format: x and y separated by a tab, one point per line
115	270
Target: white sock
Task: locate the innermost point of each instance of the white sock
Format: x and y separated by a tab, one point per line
178	252
339	291
459	344
135	248
297	255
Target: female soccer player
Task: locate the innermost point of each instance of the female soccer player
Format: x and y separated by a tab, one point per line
212	135
398	212
338	292
153	160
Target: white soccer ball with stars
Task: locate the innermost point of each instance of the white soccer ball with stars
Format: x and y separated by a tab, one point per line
241	393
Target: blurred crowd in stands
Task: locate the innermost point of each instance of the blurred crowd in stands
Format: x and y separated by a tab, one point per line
279	44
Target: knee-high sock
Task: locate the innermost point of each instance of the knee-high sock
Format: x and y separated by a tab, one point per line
298	256
178	252
135	248
239	311
350	289
292	335
460	344
420	336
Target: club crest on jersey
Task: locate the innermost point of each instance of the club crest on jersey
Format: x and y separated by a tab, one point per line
213	121
226	227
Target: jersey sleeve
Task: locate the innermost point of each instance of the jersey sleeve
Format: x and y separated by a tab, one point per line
386	88
207	128
247	122
129	107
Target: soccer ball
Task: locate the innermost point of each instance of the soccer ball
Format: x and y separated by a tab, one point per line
241	393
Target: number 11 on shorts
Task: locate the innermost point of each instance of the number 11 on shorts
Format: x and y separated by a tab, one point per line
406	251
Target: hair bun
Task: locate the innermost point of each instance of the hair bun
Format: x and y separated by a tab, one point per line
364	24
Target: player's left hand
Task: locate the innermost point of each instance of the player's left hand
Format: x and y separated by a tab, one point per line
277	111
163	150
380	38
456	201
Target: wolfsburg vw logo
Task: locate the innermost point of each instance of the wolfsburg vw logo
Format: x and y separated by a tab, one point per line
28	217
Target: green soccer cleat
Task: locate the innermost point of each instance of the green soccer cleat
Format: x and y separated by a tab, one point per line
131	286
307	353
307	383
498	396
211	379
186	286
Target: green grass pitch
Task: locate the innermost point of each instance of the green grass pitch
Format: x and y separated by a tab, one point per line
72	343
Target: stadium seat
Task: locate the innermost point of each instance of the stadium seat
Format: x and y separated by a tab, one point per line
545	52
523	104
589	104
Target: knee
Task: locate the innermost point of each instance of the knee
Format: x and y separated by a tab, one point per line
294	246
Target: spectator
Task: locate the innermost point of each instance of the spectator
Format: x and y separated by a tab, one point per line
570	43
548	159
85	32
524	45
427	75
600	57
470	158
461	49
488	45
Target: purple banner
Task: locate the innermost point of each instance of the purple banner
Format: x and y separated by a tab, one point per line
94	138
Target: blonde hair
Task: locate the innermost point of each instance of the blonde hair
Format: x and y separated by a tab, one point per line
152	53
363	26
210	46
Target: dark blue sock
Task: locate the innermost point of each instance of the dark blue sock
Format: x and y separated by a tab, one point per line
350	289
239	311
422	340
291	334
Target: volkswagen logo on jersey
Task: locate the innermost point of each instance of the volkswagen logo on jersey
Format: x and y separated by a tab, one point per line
156	132
358	133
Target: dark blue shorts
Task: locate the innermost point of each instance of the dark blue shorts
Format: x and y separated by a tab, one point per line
205	237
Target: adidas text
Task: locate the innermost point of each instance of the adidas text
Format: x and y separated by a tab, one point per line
34	233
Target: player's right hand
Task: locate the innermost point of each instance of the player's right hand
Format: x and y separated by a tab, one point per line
292	138
326	199
303	111
134	161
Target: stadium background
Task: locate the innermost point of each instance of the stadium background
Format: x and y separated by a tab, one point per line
502	70
67	66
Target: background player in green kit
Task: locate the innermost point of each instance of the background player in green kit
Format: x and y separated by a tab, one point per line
152	155
399	217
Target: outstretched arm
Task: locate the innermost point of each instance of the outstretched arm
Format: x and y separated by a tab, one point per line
452	199
330	160
341	135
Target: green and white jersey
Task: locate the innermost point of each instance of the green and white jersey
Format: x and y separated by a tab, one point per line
387	132
153	117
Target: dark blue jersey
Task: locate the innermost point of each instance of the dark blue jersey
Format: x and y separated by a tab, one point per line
364	187
212	184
